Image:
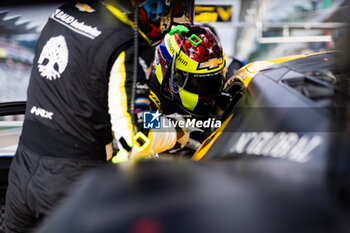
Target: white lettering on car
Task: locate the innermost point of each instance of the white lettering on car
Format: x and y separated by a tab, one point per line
278	145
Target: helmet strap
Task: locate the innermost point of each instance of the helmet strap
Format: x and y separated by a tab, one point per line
165	82
173	68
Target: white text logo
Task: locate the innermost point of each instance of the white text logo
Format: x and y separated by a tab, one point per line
41	112
278	145
74	24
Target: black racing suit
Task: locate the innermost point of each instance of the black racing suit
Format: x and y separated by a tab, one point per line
79	92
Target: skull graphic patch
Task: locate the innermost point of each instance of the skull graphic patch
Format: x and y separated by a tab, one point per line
53	59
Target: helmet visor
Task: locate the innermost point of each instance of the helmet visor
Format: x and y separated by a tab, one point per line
203	85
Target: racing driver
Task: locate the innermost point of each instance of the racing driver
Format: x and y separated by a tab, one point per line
187	78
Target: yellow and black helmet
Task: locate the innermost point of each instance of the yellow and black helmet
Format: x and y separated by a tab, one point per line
190	60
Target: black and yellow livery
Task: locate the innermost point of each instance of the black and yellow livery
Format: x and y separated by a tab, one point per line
284	108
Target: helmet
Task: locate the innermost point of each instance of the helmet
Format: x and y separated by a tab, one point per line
189	64
157	16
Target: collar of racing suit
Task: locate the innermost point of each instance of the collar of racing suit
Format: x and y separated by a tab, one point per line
124	18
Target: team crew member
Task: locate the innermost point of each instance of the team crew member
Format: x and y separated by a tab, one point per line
188	74
81	88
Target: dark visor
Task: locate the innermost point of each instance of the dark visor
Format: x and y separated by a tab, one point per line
201	85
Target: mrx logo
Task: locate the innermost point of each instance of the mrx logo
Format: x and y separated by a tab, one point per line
151	120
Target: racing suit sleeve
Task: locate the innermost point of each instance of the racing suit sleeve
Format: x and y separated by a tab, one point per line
119	97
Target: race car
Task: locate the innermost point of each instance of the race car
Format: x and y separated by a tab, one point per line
279	163
288	134
287	109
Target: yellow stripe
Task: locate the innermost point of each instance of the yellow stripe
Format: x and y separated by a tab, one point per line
247	73
159	73
206	17
123	97
294	57
189	100
124	18
154	99
200	8
203	149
